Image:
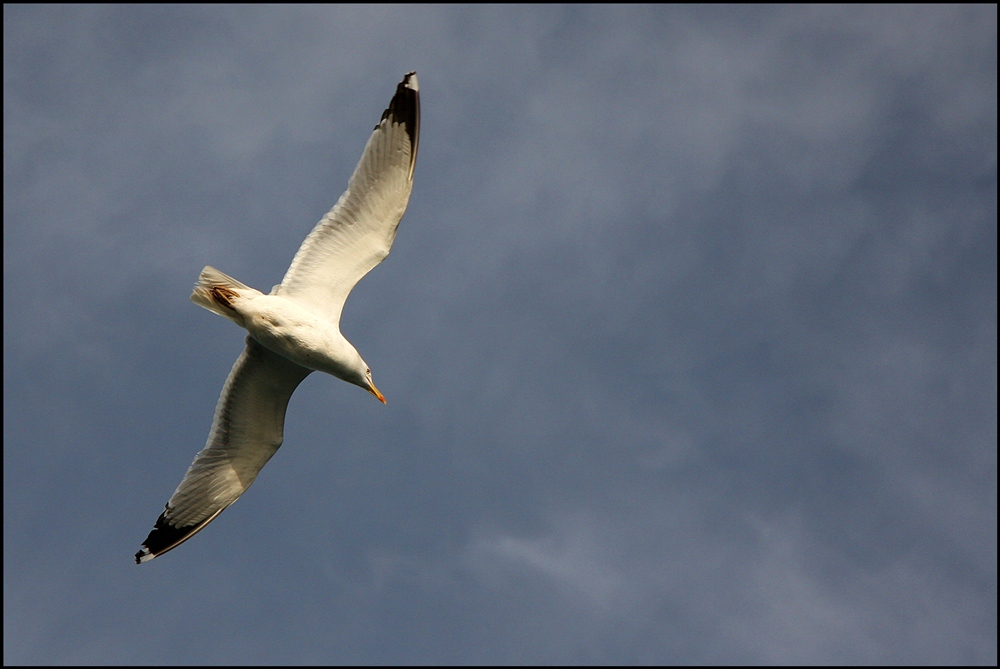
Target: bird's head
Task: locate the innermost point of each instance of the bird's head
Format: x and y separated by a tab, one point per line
352	368
370	387
360	374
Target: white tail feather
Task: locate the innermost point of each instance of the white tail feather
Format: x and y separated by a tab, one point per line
215	290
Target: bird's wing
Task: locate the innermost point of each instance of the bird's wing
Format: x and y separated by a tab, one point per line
246	432
357	233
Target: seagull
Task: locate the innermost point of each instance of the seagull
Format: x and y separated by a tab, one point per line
295	329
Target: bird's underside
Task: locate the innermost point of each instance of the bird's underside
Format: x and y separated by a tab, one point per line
349	241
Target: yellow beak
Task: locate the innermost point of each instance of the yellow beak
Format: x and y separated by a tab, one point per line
374	391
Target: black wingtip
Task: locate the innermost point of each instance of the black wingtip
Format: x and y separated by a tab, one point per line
405	109
166	537
157	540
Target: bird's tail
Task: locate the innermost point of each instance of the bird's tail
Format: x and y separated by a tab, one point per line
216	291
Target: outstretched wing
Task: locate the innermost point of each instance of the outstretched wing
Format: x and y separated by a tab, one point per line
357	233
247	431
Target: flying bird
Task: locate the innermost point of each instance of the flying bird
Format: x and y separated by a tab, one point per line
295	329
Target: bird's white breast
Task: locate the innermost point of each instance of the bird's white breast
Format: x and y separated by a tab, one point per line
296	332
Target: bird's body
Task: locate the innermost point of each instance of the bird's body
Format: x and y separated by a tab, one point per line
295	329
288	329
282	324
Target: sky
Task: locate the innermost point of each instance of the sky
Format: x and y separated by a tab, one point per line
688	336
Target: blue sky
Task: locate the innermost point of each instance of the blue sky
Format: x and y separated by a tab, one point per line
688	335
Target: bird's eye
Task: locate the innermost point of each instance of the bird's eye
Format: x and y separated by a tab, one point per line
368	371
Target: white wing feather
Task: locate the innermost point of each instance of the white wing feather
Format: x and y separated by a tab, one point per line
357	233
247	430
